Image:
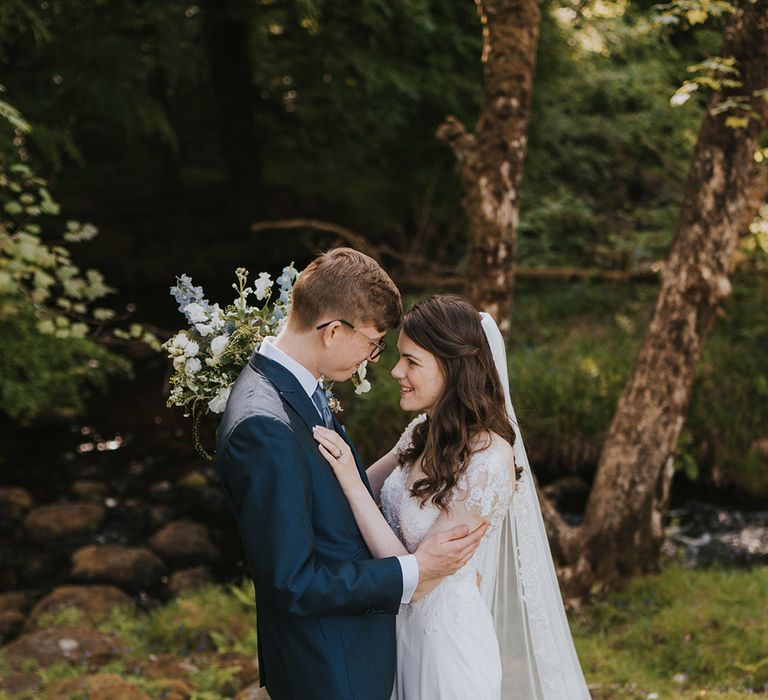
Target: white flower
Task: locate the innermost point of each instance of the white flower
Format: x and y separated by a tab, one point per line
191	349
219	402
262	285
192	366
217	317
363	387
362	370
180	340
195	313
179	361
203	329
218	345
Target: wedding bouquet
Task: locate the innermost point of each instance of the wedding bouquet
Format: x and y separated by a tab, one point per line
209	355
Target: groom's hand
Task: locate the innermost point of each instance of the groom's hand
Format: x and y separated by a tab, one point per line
444	553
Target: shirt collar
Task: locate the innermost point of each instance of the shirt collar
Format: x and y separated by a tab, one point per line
303	375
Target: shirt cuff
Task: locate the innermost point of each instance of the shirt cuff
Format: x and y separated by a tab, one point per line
410	568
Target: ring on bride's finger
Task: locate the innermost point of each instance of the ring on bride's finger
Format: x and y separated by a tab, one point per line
339	454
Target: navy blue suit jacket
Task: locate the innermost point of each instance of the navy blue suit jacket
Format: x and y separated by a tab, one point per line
325	607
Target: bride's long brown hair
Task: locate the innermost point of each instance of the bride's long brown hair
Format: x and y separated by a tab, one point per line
471	404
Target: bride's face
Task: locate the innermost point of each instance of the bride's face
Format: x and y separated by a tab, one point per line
419	374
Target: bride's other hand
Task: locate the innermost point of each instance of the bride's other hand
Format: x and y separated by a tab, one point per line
338	454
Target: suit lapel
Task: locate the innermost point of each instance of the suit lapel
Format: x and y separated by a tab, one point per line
293	393
359	462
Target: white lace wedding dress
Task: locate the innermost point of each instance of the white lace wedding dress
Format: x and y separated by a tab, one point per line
446	643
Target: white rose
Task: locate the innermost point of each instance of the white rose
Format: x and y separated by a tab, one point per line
218	345
219	402
192	366
362	370
192	349
203	329
195	313
363	387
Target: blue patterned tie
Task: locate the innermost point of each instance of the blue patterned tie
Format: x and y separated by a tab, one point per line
321	401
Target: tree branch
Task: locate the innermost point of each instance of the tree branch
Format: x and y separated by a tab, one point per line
455	134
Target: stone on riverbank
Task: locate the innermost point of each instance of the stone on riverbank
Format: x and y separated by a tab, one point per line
91	491
183	542
14	503
253	692
102	686
95	602
73	645
186	580
59	520
133	568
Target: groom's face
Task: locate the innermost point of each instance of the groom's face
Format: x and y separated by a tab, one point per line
345	349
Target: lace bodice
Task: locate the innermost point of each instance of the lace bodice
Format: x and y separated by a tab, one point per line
485	489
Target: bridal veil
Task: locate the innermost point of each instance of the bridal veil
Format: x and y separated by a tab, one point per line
519	584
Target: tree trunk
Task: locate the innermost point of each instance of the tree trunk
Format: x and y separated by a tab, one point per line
227	32
491	160
622	531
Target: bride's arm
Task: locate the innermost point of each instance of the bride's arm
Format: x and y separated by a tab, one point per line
379	471
377	533
440	553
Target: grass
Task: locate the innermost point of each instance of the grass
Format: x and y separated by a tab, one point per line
682	634
633	645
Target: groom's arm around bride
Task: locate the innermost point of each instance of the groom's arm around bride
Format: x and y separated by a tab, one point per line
325	607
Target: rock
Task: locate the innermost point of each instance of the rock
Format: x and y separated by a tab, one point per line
173	689
14	503
193	480
183	542
91	491
11	624
133	568
186	580
160	515
74	645
169	666
102	686
19	601
95	602
253	692
59	520
246	674
20	683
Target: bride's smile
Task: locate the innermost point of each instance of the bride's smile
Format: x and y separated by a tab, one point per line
419	374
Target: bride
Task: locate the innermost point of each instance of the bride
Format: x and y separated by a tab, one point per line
496	628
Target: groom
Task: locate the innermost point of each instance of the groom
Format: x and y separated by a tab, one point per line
325	608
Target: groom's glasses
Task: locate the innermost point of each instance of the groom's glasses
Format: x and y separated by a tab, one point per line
379	346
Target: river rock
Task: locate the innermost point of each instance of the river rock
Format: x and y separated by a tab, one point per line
11	624
102	686
183	542
169	666
19	601
186	580
14	503
129	567
73	645
253	692
246	674
59	520
18	683
95	602
91	491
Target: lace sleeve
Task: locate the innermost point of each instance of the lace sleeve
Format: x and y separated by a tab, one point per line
485	488
405	439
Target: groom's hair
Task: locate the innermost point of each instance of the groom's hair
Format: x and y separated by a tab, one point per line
344	283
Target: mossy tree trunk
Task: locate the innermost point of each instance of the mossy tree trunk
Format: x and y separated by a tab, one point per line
622	533
491	160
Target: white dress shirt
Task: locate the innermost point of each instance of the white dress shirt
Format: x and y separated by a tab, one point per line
308	381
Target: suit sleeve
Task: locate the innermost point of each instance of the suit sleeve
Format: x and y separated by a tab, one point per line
269	485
